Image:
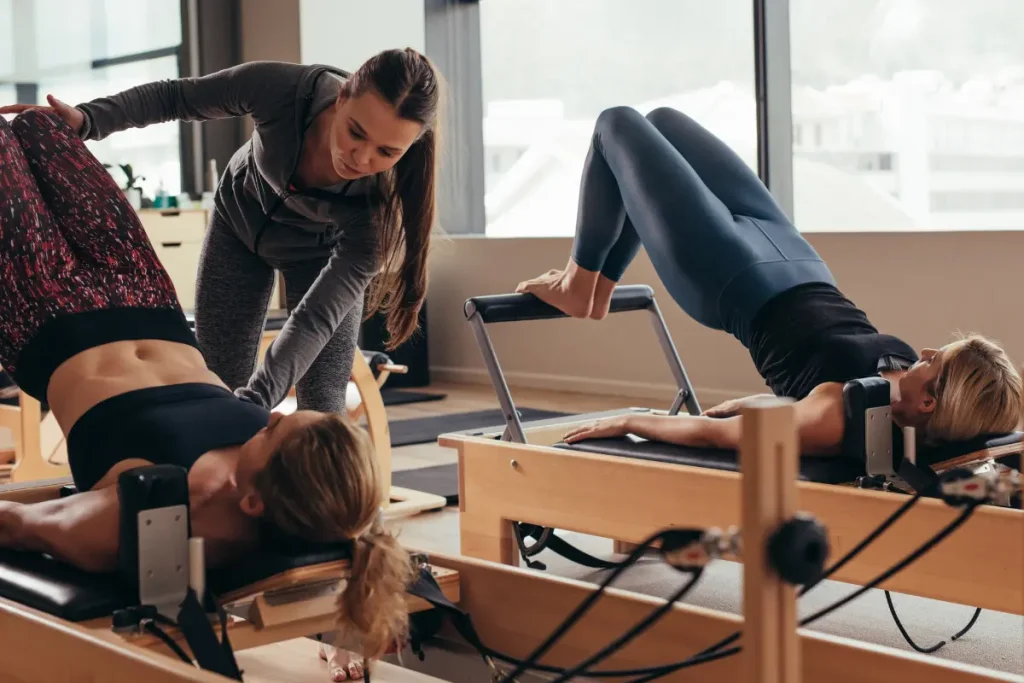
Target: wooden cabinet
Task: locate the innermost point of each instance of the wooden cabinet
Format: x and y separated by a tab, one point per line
177	237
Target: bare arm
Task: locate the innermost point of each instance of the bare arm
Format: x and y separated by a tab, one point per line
733	406
819	418
82	530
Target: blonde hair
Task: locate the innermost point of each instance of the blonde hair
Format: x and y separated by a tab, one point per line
323	485
977	391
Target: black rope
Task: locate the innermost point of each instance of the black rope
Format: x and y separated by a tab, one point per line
937	646
856	550
632	633
708	653
886	575
680	537
868	540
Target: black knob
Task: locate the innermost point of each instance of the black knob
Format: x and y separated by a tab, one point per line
798	550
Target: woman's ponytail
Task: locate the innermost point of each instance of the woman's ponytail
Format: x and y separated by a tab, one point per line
373	602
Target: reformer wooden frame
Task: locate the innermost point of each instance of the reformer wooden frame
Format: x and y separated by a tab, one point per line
513	609
401	501
624	499
37	439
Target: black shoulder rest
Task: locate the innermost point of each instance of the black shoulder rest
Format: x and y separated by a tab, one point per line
38	581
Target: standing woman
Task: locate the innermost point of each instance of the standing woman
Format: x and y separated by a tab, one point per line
335	188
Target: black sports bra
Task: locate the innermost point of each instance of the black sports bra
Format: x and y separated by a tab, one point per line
167	425
813	334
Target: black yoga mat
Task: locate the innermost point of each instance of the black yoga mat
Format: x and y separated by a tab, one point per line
439	480
394	397
427	429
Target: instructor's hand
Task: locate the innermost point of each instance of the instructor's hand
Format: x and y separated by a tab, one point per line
72	116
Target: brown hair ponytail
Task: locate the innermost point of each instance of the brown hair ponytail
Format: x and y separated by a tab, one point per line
408	192
324	484
373	601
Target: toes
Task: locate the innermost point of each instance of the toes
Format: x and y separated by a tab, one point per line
355	671
338	674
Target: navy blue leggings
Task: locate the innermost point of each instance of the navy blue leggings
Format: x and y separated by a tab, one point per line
718	240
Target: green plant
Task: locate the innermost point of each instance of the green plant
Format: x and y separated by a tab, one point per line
129	174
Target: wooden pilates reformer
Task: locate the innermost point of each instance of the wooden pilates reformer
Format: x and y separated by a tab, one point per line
40	451
92	621
520	478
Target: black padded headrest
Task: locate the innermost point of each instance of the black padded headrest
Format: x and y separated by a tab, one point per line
56	588
878	441
821	469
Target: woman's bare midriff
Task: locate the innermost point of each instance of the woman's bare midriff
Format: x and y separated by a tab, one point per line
103	372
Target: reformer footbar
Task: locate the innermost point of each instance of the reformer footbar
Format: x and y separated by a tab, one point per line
504	308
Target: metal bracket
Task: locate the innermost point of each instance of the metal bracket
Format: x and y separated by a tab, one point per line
878	458
164	558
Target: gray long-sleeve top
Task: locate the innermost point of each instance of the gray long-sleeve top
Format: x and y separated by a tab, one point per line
255	197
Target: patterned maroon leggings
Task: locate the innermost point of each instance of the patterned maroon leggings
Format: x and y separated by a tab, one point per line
70	244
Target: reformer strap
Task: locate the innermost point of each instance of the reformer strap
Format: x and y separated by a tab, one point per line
426	587
211	655
561	547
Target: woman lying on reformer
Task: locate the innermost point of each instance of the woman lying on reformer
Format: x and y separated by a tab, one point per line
731	259
90	322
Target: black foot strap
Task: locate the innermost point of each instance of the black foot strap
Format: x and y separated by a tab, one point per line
547	539
426	587
199	633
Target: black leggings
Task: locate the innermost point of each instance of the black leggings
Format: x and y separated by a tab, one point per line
717	238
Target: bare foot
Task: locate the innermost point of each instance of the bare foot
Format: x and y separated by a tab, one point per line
570	290
602	298
340	664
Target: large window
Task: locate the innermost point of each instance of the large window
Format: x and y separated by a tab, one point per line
549	67
82	50
908	114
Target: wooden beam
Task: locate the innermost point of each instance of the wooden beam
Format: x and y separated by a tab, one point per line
768	460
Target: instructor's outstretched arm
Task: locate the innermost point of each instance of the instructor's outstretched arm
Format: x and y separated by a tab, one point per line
257	88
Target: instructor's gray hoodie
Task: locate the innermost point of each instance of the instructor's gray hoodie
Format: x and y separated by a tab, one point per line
254	199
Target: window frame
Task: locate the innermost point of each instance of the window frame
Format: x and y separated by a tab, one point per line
453	43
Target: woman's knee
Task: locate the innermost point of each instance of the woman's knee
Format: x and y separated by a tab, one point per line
661	117
616	122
